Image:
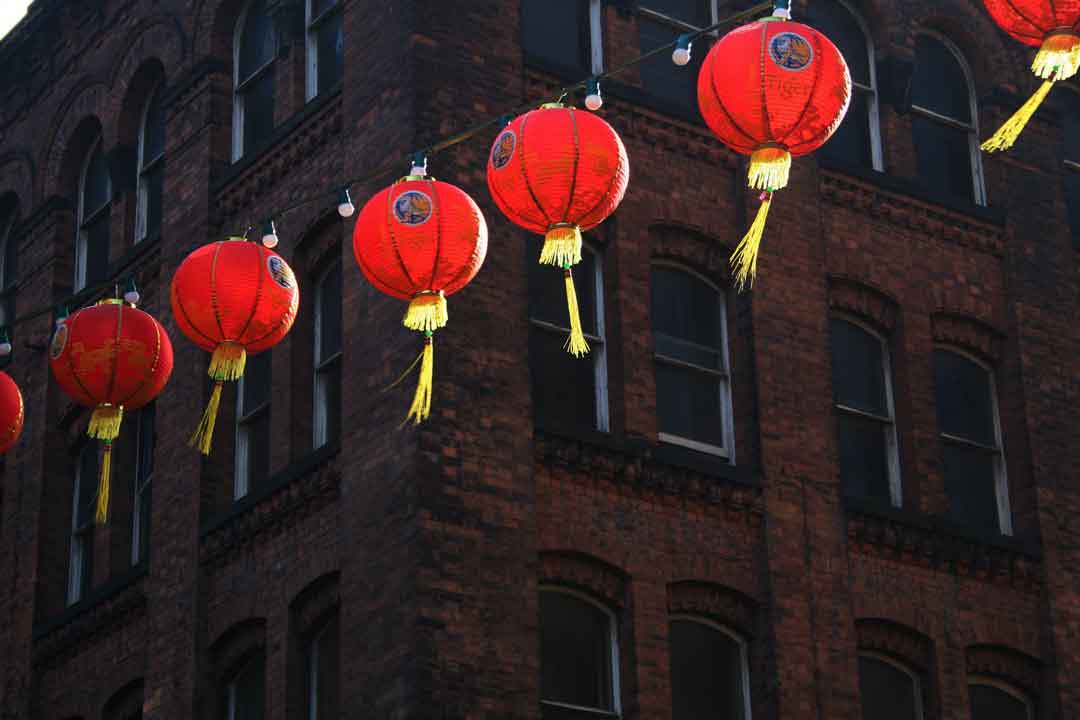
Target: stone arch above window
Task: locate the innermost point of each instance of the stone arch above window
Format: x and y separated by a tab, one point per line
126	703
863	301
237	644
905	644
1006	664
583	572
718	603
693	248
967	333
315	603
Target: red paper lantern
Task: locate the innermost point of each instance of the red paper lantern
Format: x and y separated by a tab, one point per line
772	90
421	240
111	357
557	171
12	413
1053	26
232	298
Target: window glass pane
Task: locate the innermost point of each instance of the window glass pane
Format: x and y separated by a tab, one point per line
256	381
575	652
662	78
839	25
318	7
685	307
857	368
964	403
557	31
95	182
256	445
688	404
1070	121
888	693
330	42
864	457
969	484
706	673
257	41
850	144
258	110
991	703
547	289
147	440
11	254
154	130
97	249
563	387
694	12
939	83
1072	201
329	394
330	313
155	188
323	654
944	157
88	483
249	689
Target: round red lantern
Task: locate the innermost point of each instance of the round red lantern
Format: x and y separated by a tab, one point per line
772	90
111	357
557	171
421	240
1053	26
232	298
12	413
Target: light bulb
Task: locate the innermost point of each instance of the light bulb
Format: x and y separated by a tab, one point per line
593	100
345	207
132	297
270	238
681	54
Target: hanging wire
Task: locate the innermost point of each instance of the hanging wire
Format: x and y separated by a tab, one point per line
392	167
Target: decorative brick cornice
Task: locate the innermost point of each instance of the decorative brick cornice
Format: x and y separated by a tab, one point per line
1006	664
921	542
968	333
857	298
584	572
906	211
724	605
899	641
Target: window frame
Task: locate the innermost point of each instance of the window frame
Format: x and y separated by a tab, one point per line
312	665
79	565
597	342
724	375
311	41
1006	688
744	652
972	129
244	420
9	279
613	656
1070	166
320	365
231	684
892	436
143	485
920	710
241	86
82	241
681	26
1001	479
144	167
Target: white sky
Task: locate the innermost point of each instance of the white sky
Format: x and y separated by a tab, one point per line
11	12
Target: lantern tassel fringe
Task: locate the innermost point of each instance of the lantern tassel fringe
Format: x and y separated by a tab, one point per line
228	361
427	312
744	259
770	168
575	344
105	422
203	436
1007	135
102	513
421	404
1058	58
562	246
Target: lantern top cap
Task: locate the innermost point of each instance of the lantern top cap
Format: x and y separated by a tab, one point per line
552	106
110	301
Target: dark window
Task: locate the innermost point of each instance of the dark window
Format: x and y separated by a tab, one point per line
254	103
693	390
888	691
990	702
253	425
92	244
971	445
708	673
1071	129
866	430
659	23
557	33
245	693
9	262
151	169
84	505
325	46
945	134
322	673
577	655
567	392
144	474
327	425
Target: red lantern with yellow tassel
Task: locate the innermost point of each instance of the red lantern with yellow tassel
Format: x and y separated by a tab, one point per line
773	90
12	413
232	298
421	240
111	357
1053	26
558	171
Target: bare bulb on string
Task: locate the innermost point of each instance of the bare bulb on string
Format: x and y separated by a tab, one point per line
345	206
593	100
270	237
681	54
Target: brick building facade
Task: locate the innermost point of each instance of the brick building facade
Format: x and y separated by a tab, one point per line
868	509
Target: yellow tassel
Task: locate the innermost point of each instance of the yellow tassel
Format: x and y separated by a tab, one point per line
744	259
770	168
228	361
562	245
204	434
575	344
105	422
421	404
1006	136
1058	58
427	312
102	514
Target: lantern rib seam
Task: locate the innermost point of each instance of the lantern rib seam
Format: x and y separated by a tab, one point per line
436	209
153	367
261	273
213	290
179	303
509	210
390	200
720	104
71	364
14	430
464	270
525	173
115	352
764	92
577	167
813	90
376	280
607	193
1029	21
273	330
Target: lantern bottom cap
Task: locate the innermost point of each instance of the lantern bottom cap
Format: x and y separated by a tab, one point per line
770	168
427	312
1059	57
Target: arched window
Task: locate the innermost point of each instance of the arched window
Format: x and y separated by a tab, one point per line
244	693
83	504
710	676
9	259
254	49
945	120
993	700
327	420
92	241
1071	131
325	46
579	656
321	673
889	690
253	425
858	140
145	443
865	417
693	380
972	452
151	168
